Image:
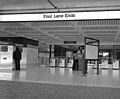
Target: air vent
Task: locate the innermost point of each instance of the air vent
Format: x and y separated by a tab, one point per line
68	35
100	28
70	42
11	24
5	34
57	23
99	22
100	32
10	29
63	32
57	28
102	35
71	38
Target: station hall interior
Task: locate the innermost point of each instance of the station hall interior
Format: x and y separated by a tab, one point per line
48	44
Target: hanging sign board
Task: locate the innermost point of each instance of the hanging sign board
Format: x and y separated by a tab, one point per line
91	52
61	16
70	42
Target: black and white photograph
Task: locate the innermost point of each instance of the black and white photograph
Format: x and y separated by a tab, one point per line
59	49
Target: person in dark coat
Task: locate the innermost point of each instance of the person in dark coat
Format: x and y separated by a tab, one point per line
17	57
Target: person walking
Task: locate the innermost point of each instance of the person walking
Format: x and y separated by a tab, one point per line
17	57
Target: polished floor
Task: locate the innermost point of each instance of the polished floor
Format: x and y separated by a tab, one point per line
66	76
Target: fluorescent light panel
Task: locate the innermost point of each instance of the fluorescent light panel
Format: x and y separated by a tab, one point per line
61	16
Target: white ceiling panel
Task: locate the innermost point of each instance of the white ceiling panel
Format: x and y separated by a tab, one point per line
11	24
30	33
58	3
100	28
24	4
5	34
107	31
63	32
54	23
16	29
100	32
83	3
99	22
57	32
58	28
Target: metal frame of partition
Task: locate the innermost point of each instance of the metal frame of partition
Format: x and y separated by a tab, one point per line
92	42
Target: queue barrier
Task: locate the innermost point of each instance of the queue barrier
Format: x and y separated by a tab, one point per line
54	62
115	64
70	63
62	62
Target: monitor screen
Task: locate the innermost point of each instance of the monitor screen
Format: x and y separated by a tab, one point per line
105	54
91	52
4	48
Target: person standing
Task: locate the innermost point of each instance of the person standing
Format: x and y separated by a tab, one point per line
75	60
84	63
17	57
81	60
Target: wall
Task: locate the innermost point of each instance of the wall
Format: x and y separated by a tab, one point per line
32	56
59	51
24	57
44	53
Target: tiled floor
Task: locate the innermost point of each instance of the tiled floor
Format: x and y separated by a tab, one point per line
106	78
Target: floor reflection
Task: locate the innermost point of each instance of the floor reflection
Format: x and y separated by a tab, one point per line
6	75
106	78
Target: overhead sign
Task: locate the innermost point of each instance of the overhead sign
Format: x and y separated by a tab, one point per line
70	42
4	43
4	48
61	16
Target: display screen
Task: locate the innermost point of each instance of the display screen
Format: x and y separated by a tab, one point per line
4	48
91	52
100	54
105	54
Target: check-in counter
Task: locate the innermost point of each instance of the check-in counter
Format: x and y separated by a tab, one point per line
62	62
115	64
54	62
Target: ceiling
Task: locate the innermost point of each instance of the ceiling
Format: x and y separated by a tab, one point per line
44	4
56	32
